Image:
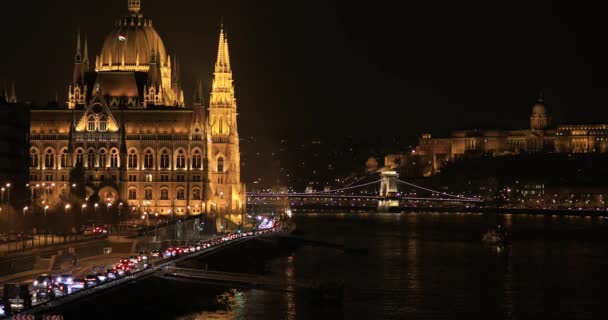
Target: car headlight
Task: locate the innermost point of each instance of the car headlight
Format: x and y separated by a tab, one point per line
35	282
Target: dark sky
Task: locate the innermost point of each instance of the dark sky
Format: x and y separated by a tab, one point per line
316	68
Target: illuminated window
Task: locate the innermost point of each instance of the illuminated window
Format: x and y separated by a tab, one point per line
79	157
34	159
220	164
91	124
164	194
148	160
91	159
49	159
114	159
196	160
102	158
103	123
132	159
64	159
164	160
196	194
181	194
181	160
148	178
132	194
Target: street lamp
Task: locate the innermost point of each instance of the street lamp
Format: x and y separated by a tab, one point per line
24	210
95	215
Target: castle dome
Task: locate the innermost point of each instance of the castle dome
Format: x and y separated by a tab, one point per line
132	45
539	108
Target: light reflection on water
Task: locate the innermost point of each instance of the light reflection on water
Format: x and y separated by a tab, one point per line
432	266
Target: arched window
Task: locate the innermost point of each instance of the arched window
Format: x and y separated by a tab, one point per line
132	194
196	194
164	194
34	159
220	164
164	160
114	159
103	123
132	159
79	156
181	195
196	160
91	159
49	159
64	159
148	160
91	123
102	158
148	194
181	159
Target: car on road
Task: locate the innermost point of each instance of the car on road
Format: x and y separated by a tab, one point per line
91	280
77	284
65	278
45	293
156	254
112	274
60	289
43	281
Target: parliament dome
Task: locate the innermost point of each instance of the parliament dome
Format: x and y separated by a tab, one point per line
131	45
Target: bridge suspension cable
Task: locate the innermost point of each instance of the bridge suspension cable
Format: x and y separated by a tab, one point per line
435	191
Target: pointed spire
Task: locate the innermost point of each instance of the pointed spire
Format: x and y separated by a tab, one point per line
13	96
86	53
78	56
223	58
137	56
199	99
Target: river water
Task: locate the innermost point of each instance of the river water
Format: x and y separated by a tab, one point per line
417	266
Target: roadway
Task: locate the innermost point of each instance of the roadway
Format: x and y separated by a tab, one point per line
85	268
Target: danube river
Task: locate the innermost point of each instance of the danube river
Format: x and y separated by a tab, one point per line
416	266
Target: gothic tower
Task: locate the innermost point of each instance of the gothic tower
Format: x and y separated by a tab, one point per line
226	193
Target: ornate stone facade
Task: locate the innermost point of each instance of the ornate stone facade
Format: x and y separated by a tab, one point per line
127	136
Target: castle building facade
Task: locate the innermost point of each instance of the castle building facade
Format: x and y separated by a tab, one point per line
127	137
431	153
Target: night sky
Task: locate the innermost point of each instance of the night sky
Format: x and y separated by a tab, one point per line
317	68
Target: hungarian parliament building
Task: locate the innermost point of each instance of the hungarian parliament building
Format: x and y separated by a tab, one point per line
540	137
126	135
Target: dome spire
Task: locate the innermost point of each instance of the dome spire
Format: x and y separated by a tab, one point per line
134	6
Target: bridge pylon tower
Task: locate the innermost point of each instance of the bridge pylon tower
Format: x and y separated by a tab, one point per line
388	190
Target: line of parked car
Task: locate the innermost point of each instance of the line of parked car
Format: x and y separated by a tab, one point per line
48	286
